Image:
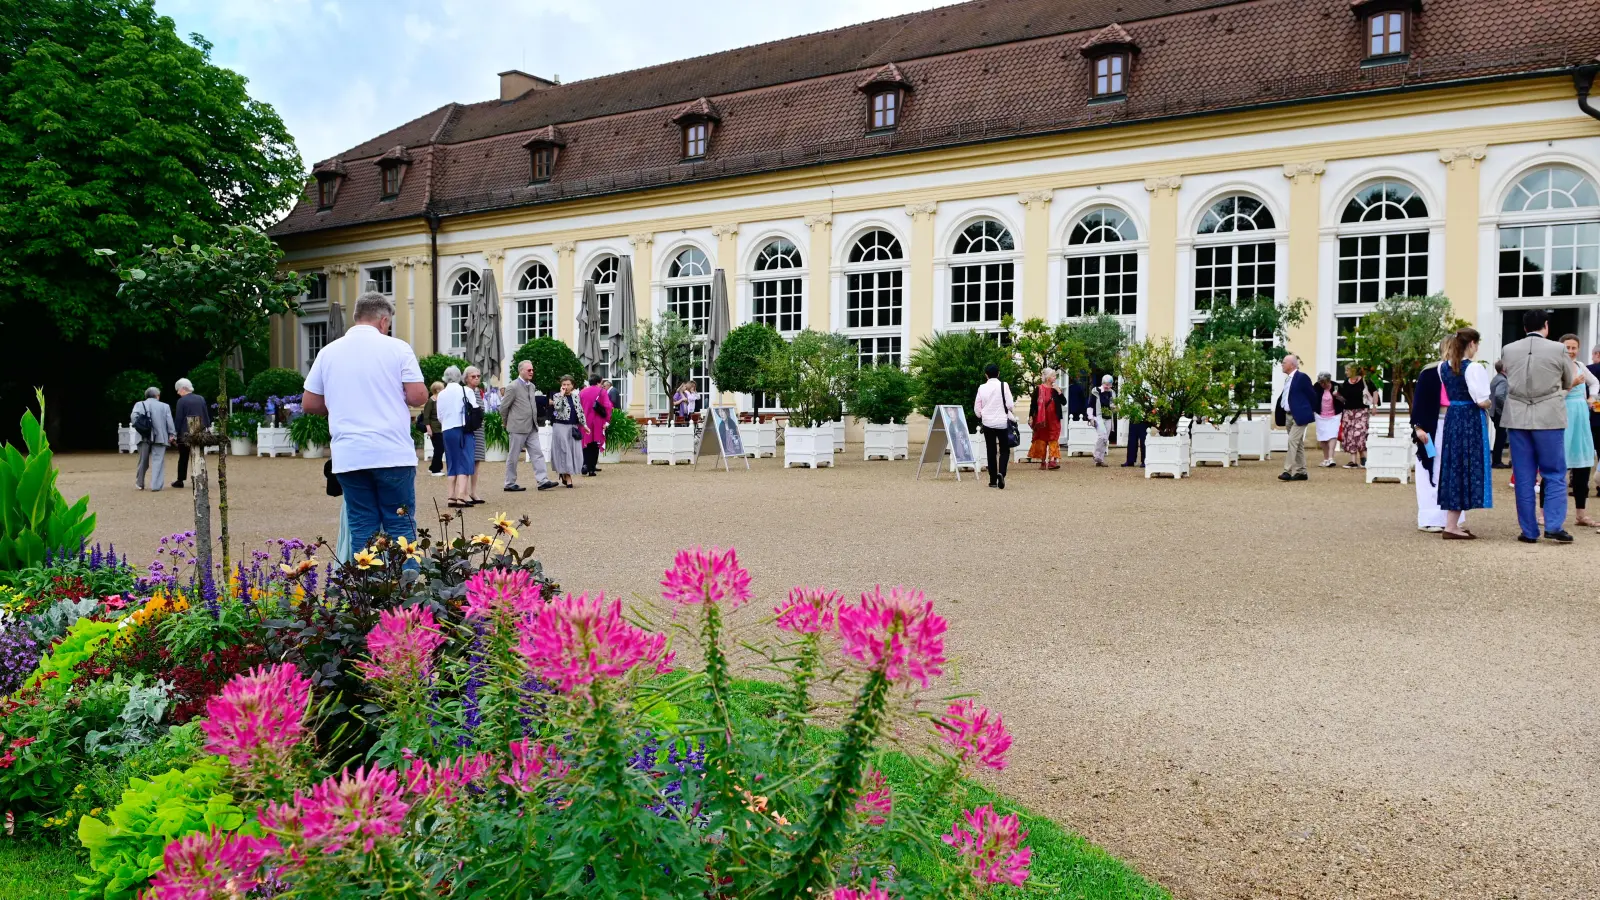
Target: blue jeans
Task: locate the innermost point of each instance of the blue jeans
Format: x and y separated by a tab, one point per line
380	500
1540	452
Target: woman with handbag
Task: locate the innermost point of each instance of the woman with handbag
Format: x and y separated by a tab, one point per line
993	408
596	403
1355	394
1045	414
567	432
1100	411
461	416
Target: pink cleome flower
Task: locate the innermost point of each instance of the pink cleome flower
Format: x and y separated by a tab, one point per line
207	865
898	634
808	610
875	801
499	591
258	714
976	734
867	893
575	640
349	809
402	645
532	762
443	780
991	845
698	576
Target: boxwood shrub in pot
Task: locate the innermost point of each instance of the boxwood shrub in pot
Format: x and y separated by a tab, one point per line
433	366
551	359
883	395
274	383
739	361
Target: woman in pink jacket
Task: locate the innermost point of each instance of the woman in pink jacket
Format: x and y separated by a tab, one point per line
596	403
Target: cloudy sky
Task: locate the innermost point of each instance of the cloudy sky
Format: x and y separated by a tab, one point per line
342	71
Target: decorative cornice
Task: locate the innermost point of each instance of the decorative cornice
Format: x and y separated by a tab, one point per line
494	256
724	230
1033	199
1169	183
342	269
922	209
566	246
1471	155
1296	171
643	237
824	220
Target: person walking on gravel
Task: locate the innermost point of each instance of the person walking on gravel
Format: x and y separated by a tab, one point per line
366	383
152	420
1296	409
520	410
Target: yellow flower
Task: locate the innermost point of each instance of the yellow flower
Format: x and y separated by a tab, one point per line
482	540
409	548
365	559
94	812
504	525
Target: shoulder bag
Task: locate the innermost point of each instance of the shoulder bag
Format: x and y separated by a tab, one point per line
1013	435
142	422
473	418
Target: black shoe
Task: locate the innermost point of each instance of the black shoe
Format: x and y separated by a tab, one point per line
1527	540
547	485
1285	476
1560	537
1499	466
515	487
1302	477
1002	484
991	484
177	484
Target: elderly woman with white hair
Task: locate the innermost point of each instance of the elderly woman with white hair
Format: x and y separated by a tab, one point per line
1044	416
461	415
1329	409
1100	413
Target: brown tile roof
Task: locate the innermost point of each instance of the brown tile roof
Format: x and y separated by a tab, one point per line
700	110
1111	37
984	70
890	74
549	135
396	154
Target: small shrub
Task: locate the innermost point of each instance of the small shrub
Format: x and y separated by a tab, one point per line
308	429
622	433
551	359
741	357
494	432
273	383
127	848
433	366
949	368
204	378
883	395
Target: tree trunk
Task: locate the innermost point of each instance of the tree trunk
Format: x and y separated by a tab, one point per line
202	504
1394	399
222	459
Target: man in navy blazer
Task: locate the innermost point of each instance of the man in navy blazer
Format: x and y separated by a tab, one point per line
1295	407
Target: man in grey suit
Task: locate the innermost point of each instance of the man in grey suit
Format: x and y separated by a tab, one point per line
153	442
1538	376
519	409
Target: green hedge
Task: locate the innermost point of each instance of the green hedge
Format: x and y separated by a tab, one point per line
274	383
433	366
204	378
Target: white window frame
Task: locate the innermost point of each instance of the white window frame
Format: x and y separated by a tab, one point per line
1275	237
782	285
1009	260
1137	247
456	308
1384	231
307	356
533	309
367	275
686	290
889	268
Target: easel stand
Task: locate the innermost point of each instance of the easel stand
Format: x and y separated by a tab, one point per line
947	432
720	419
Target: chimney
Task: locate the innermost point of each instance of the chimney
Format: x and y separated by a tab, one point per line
514	84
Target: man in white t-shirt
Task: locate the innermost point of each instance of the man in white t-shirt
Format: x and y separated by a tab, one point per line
366	382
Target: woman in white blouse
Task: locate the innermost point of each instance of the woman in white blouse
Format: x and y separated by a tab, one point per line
1464	481
454	403
993	406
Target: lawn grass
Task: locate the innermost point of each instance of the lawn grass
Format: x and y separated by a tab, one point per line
30	871
1064	865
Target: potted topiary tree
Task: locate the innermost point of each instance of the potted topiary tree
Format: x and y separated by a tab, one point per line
949	368
1398	338
1248	338
810	374
738	368
274	383
434	364
1164	388
551	359
665	349
883	397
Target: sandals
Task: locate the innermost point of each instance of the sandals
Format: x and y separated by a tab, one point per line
457	504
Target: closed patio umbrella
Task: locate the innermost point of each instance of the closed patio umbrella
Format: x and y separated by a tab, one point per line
624	320
485	349
336	324
588	348
721	320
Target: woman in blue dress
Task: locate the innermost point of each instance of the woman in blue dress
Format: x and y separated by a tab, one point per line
1579	436
1464	437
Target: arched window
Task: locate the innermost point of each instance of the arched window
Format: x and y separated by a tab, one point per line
462	284
776	286
1383	252
605	274
1550	251
983	277
535	299
1231	261
1102	278
689	297
874	298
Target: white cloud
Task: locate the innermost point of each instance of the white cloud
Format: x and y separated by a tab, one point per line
342	72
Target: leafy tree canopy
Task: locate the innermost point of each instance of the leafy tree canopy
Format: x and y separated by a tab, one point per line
551	359
817	370
739	360
1399	337
116	133
949	367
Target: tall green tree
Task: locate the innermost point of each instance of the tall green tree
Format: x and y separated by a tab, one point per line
115	132
1399	337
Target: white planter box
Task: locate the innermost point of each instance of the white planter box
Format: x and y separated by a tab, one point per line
838	436
669	444
810	447
1389	458
1213	444
610	457
1081	439
1166	456
1279	440
127	439
1019	453
545	433
1255	438
242	446
495	454
980	452
314	451
273	441
887	441
759	438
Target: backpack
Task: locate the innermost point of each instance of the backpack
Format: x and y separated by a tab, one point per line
142	423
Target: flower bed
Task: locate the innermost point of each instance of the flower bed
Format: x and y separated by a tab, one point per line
437	719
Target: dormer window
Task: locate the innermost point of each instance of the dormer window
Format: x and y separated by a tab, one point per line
544	148
392	171
1110	54
328	173
696	121
1109	72
694	140
1386	28
886	91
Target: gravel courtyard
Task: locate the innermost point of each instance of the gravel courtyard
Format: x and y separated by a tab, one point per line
1245	688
